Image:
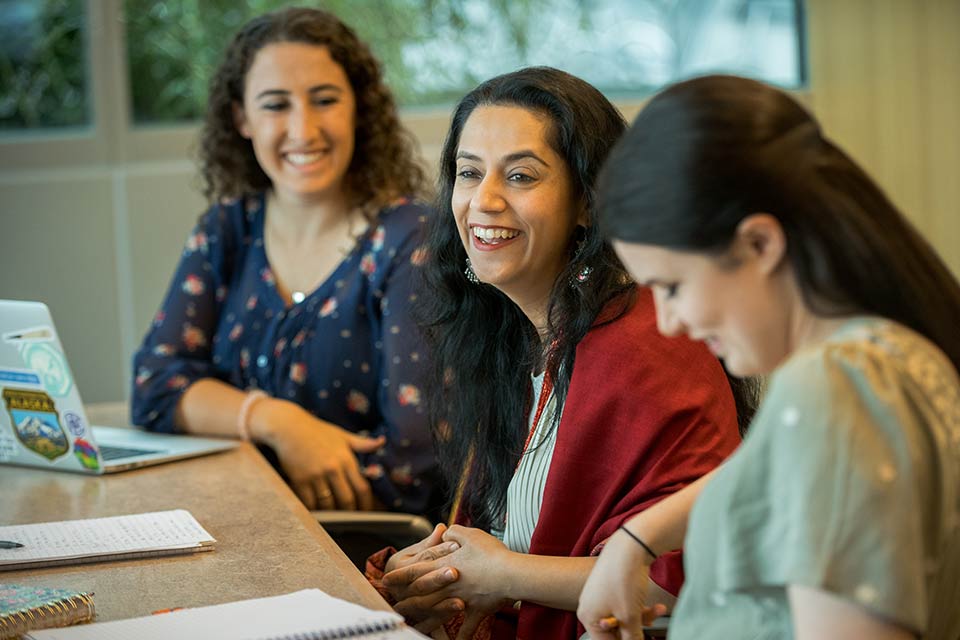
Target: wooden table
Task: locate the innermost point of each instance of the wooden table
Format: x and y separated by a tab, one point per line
267	543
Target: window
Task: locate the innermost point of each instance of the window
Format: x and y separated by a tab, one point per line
434	51
43	64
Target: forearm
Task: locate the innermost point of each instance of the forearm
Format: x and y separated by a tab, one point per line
664	525
550	581
212	407
557	582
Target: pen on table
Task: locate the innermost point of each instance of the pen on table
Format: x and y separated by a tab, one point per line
9	544
171	610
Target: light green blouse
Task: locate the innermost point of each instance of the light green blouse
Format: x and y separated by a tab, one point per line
848	482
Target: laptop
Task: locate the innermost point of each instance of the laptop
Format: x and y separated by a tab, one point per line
42	419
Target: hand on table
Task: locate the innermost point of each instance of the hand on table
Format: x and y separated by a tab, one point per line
320	459
617	588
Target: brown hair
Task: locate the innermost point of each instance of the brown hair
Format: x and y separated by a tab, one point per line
383	166
706	153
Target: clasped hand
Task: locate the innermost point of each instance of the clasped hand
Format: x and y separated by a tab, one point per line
452	570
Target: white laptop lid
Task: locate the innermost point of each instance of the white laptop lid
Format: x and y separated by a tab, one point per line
42	419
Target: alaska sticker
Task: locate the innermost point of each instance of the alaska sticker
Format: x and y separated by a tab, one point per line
86	453
36	423
50	365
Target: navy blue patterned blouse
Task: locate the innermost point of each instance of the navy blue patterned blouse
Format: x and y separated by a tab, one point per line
349	353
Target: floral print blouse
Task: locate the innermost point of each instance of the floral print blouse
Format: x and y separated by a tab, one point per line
349	352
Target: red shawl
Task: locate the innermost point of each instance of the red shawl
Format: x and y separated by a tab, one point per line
645	416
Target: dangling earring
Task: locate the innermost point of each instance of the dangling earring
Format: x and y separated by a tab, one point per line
582	275
583	271
470	273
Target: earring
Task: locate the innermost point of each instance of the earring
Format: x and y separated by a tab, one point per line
583	272
470	273
582	275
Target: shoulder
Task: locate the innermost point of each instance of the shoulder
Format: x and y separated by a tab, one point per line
402	219
877	360
397	235
233	216
632	337
873	384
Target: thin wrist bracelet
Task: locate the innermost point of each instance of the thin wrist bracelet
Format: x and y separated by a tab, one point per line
643	544
243	417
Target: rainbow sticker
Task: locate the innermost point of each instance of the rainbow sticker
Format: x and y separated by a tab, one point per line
86	453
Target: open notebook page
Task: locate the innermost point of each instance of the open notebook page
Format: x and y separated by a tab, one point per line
66	542
302	614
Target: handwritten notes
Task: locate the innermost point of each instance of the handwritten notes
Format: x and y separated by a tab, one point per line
99	539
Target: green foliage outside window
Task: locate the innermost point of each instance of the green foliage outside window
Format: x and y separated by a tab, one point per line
432	51
43	68
174	46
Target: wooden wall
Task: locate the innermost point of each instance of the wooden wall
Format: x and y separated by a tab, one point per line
885	83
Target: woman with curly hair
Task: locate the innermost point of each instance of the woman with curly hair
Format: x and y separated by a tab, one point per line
287	321
558	407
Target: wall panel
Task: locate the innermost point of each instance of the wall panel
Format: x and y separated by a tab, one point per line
57	246
885	83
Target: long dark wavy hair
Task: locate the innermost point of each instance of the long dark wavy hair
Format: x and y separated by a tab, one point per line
384	164
484	348
706	153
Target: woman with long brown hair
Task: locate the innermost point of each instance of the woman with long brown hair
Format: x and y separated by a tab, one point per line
839	516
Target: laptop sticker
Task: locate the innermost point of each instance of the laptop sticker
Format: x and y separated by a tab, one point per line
50	365
32	334
19	376
36	422
86	453
8	445
74	423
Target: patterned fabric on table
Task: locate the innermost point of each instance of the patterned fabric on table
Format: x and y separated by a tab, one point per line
349	352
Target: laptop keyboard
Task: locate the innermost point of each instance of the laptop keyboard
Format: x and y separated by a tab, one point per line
115	453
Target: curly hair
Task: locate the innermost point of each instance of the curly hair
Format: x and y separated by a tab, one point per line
384	164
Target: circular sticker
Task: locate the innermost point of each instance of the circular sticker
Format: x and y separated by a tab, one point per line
50	365
74	423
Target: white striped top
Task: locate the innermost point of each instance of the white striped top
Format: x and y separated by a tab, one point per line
525	493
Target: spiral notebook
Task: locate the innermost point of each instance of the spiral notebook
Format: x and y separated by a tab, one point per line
23	608
310	614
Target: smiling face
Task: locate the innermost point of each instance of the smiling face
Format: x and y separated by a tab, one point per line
514	202
744	305
299	112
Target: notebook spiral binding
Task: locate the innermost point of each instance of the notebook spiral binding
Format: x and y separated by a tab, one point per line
73	610
343	632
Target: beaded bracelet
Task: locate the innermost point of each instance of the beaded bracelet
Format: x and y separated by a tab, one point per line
643	544
243	418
